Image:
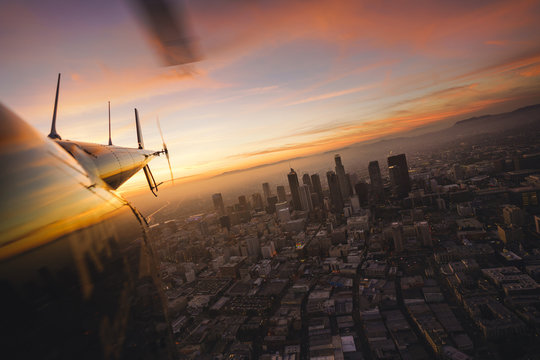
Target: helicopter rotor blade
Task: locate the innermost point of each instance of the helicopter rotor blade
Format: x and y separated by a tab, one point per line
165	150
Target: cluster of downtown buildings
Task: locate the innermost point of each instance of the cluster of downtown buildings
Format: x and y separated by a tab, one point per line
438	258
344	193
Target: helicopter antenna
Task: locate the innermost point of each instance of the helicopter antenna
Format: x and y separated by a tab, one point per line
53	134
110	141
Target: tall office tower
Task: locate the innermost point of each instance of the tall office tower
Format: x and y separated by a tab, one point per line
397	234
295	192
423	233
375	177
281	194
305	198
342	178
317	187
393	173
242	201
335	191
266	191
253	247
257	201
217	199
362	191
399	175
307	181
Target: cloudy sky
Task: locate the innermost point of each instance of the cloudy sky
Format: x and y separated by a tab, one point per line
277	79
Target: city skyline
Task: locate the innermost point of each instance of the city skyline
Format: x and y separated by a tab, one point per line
442	264
438	63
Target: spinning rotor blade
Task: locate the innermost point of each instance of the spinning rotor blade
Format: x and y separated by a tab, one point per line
165	150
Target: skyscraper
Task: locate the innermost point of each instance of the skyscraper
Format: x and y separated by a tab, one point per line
335	191
295	192
342	178
399	175
362	192
217	199
242	201
257	201
307	181
377	187
317	187
266	191
282	195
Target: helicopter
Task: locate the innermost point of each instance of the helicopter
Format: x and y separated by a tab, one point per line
77	272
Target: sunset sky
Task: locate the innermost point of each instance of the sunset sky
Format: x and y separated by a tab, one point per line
278	79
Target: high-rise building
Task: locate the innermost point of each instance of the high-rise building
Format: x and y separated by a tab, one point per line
282	195
307	181
335	192
399	175
266	191
377	187
317	187
305	198
242	201
362	191
295	192
217	199
257	201
342	178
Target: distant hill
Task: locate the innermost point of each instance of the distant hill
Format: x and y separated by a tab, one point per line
464	128
533	110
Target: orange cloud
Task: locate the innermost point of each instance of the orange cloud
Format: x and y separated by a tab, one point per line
332	94
420	26
530	71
